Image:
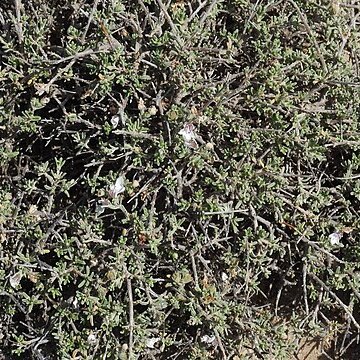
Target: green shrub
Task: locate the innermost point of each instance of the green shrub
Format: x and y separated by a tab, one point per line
179	180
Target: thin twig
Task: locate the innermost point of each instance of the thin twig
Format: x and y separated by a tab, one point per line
18	24
255	217
208	11
336	298
192	16
319	248
304	270
142	188
247	22
89	20
81	54
46	87
175	31
13	298
135	134
311	35
221	346
307	213
193	264
352	26
131	314
226	212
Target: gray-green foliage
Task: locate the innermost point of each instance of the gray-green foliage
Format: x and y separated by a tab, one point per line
229	240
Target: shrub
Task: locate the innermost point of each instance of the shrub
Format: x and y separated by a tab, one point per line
179	180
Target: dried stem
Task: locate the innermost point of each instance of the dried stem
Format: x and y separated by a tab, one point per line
311	35
131	314
336	298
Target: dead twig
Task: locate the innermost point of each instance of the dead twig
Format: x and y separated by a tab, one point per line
13	298
192	16
193	264
221	346
175	31
208	11
336	298
352	27
131	314
89	20
319	248
18	24
304	271
135	134
310	34
225	212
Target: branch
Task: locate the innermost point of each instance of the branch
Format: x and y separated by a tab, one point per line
131	314
310	33
336	298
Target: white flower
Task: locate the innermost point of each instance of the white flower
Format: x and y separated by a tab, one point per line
150	343
224	277
335	238
115	121
15	279
92	339
189	136
207	339
118	187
